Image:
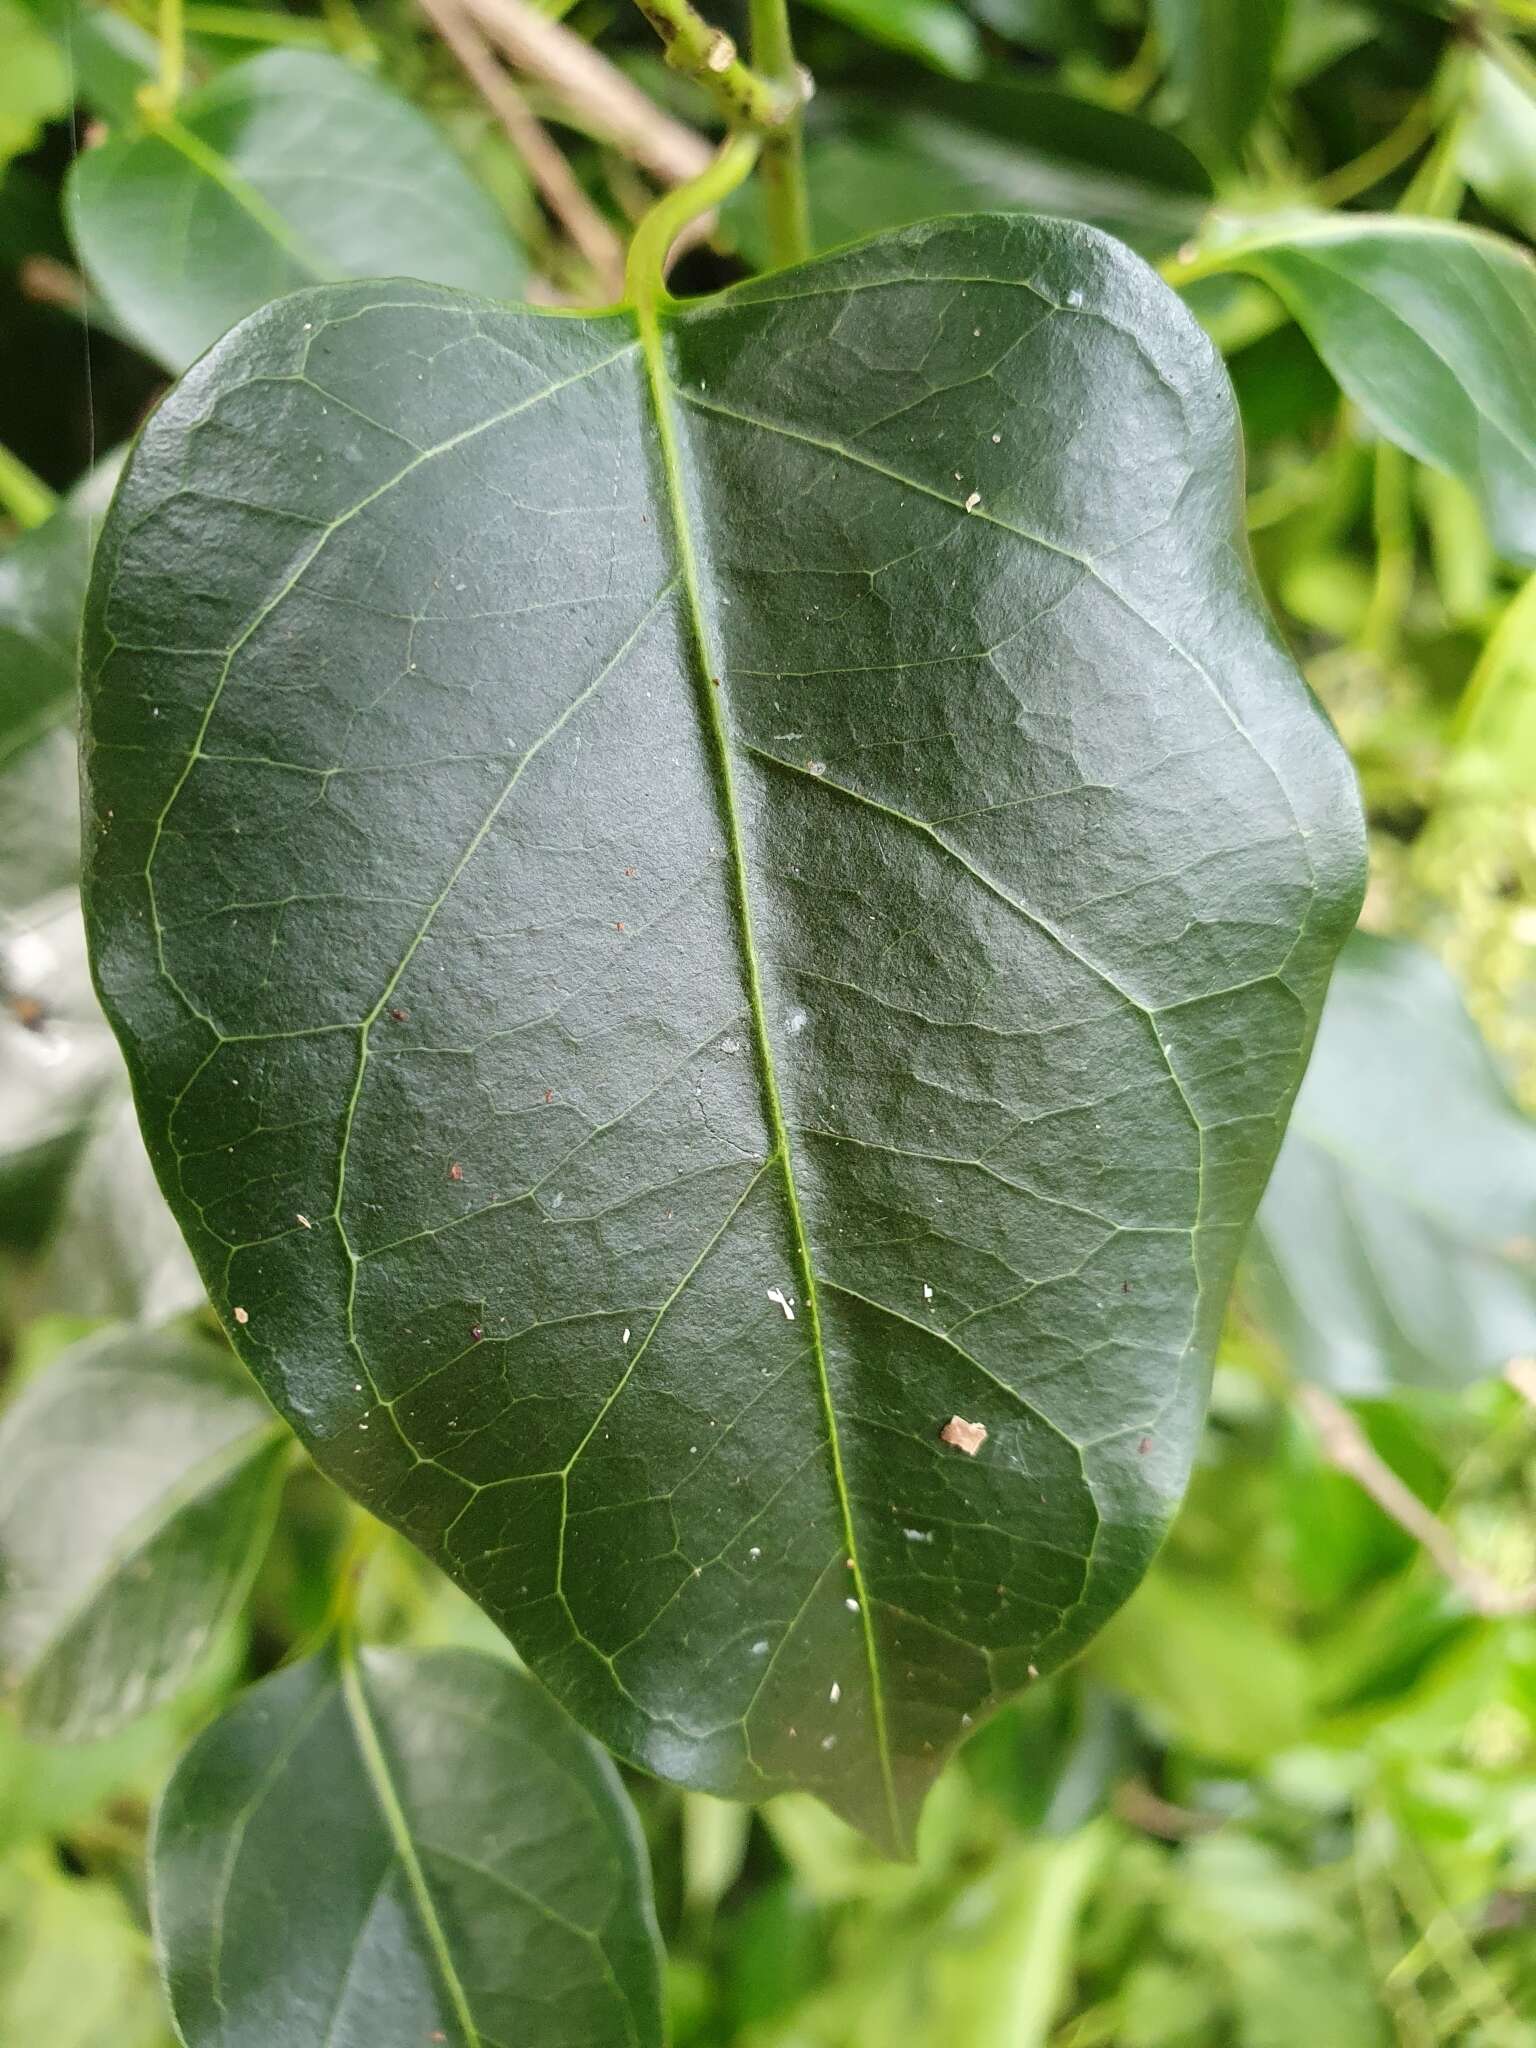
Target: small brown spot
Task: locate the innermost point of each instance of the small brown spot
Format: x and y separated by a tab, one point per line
28	1012
1143	1447
619	926
549	1094
398	1016
455	1172
964	1436
242	1316
1125	1286
476	1334
631	872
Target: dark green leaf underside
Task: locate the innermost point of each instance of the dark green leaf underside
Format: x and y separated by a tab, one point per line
431	1848
596	847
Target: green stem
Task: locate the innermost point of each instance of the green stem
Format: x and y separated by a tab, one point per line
645	272
173	52
708	56
1392	515
24	496
1380	160
785	194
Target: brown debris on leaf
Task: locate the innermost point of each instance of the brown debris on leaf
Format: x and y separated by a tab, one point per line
965	1436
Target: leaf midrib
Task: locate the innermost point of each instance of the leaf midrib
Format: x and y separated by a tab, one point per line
662	400
371	1749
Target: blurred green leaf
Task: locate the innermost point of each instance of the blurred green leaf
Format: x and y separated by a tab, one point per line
42	591
1496	144
1214	1674
290	169
138	1482
57	1060
1397	1242
936	31
401	1849
1221	58
1494	735
108	55
34	81
112	1247
1055	25
1428	328
75	1972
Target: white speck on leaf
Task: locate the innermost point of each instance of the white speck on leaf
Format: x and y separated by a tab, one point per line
973	501
836	1693
242	1315
778	1295
755	1552
760	1649
852	1606
927	1292
829	1742
797	1021
625	1338
964	1436
918	1535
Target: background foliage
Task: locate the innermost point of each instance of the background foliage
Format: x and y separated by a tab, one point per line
1291	1795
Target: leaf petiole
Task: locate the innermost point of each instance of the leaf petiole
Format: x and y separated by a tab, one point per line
645	271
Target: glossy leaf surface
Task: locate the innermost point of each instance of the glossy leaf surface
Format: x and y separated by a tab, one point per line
1396	1245
688	908
1428	328
138	1479
287	170
429	1846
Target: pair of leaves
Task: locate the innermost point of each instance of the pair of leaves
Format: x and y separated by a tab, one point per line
1396	1245
138	1484
287	170
691	897
431	1849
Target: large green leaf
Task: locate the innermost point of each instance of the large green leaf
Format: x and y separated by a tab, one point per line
1428	328
883	163
288	169
1222	59
1397	1243
138	1479
689	902
401	1849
